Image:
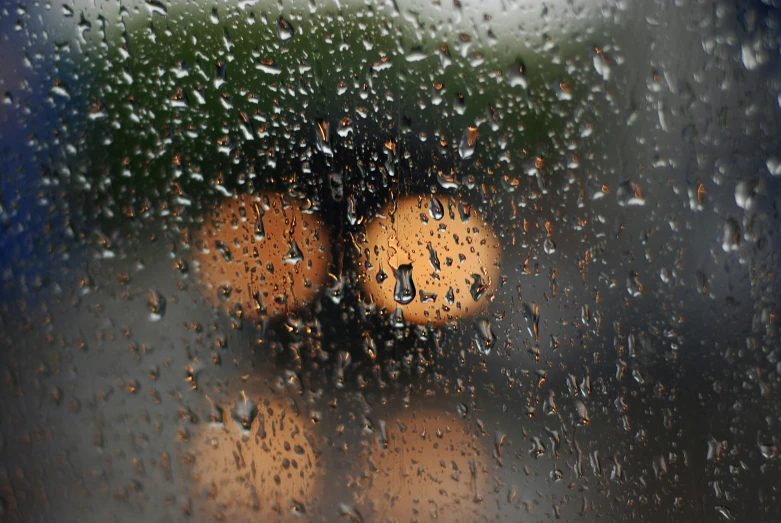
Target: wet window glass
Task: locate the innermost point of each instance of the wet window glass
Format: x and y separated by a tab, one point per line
402	261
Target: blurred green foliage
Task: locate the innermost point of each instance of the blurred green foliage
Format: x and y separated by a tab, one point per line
185	107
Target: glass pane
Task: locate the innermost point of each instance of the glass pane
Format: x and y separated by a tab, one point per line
393	261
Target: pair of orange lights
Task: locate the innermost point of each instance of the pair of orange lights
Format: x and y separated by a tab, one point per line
431	256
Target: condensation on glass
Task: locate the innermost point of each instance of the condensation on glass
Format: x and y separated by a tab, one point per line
392	261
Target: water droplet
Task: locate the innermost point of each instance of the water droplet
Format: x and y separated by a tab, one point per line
633	285
345	127
381	275
259	231
352	214
336	290
499	443
731	240
336	185
435	209
415	55
156	7
220	74
484	336
257	302
549	405
61	89
746	192
629	194
323	139
702	282
432	257
156	304
478	287
268	66
596	191
538	447
466	149
563	91
215	415
244	412
397	320
774	165
223	249
192	370
285	31
294	254
753	54
459	104
382	435
427	297
224	292
602	63
532	316
390	158
450	296
464	211
725	512
581	413
715	449
517	75
768	449
183	268
404	292
349	513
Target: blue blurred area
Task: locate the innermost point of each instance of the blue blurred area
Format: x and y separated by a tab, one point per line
33	221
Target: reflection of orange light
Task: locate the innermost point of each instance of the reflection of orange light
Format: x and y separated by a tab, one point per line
266	472
472	136
453	258
429	467
322	128
261	254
